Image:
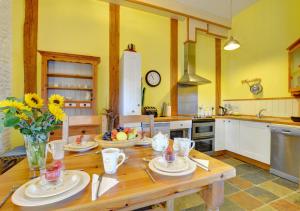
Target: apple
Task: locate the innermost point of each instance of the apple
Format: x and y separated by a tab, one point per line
121	136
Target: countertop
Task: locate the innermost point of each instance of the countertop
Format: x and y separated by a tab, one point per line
267	119
172	118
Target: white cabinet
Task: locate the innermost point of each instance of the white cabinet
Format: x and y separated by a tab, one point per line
247	138
220	134
232	135
255	141
130	83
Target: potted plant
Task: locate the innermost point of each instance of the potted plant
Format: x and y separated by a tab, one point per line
34	121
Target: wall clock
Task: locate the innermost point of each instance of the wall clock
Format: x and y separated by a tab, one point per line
153	78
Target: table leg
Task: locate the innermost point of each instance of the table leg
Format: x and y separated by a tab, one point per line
170	205
213	196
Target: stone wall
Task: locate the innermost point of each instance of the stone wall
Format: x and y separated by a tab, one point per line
5	61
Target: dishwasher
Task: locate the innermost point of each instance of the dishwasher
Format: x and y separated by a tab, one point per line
285	152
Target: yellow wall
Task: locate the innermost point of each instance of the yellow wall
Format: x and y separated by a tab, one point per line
205	64
151	35
79	27
264	30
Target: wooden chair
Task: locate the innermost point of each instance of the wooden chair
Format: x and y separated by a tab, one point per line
138	119
77	125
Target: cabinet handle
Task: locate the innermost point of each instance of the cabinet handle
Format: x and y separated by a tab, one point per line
181	125
138	105
132	111
83	131
52	133
268	125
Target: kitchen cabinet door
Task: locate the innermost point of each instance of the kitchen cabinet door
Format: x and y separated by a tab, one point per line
255	140
130	83
220	134
232	135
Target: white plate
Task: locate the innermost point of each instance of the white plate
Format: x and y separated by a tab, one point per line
19	198
83	145
191	169
180	164
144	142
35	190
71	149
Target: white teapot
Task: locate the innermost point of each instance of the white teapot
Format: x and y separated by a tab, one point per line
160	142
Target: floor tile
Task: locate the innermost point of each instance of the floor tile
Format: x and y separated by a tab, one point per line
229	189
255	178
240	183
267	175
198	208
245	200
275	188
287	183
262	194
245	169
189	201
284	205
233	162
265	208
294	198
230	206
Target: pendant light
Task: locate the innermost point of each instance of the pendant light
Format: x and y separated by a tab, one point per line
232	43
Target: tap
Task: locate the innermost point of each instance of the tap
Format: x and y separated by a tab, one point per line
260	113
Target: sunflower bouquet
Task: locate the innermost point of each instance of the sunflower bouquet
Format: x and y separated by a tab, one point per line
34	120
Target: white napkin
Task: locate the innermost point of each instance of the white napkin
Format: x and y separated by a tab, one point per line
106	184
202	163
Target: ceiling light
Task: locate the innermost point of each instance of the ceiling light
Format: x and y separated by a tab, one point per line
232	43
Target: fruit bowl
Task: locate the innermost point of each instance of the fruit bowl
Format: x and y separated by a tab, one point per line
119	138
117	144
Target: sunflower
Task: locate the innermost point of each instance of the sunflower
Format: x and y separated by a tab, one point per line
14	104
56	111
57	100
33	100
22	116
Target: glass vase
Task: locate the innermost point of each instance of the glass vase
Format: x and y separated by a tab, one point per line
36	150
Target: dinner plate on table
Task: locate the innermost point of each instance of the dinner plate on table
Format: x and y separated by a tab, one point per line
191	168
87	144
21	199
180	164
35	189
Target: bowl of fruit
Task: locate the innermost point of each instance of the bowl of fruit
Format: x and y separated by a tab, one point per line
119	138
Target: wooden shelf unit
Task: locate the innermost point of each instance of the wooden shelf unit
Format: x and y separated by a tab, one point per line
293	57
68	75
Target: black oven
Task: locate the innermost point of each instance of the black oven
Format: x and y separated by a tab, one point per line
203	133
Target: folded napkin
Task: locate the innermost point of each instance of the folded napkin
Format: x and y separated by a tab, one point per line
106	184
201	163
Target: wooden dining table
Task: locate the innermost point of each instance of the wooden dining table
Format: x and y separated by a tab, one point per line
135	189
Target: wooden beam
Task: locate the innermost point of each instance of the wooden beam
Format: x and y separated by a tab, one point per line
30	45
114	43
218	74
174	66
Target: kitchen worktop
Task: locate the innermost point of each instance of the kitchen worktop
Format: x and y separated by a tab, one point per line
267	119
172	118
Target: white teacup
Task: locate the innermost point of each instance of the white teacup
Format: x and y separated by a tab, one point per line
183	146
110	158
57	149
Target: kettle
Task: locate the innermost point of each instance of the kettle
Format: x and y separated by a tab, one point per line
160	142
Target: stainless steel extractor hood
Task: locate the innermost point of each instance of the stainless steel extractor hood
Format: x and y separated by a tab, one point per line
190	77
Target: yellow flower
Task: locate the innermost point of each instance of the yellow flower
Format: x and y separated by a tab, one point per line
56	111
22	116
14	104
33	100
57	100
